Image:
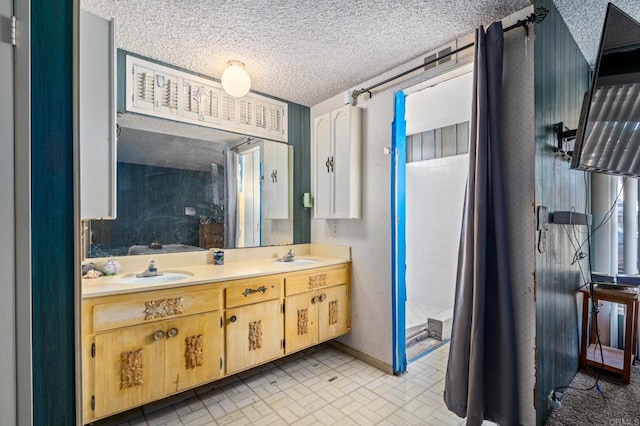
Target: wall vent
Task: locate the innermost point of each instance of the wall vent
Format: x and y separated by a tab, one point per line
451	59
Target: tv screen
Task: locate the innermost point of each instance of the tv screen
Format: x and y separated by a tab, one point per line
608	136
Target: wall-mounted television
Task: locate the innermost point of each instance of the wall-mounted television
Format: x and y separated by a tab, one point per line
608	136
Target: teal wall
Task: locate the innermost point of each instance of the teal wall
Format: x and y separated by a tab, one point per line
300	137
561	78
52	212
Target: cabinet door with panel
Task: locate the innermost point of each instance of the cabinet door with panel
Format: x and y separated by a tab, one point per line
333	312
253	335
129	368
322	145
276	188
337	151
97	117
192	351
301	321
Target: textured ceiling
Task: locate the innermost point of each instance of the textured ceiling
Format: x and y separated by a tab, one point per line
586	17
302	51
307	51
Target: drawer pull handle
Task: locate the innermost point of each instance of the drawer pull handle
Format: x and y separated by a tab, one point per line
158	335
262	289
173	332
323	297
233	318
315	299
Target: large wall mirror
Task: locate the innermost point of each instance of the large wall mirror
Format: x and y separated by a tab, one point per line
182	187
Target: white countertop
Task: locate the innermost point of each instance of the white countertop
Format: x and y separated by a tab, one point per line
204	274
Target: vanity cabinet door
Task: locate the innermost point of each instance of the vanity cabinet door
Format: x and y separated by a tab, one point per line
253	335
129	368
333	312
192	351
301	321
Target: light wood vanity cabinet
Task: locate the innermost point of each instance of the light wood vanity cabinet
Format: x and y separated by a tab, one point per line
141	347
145	346
316	307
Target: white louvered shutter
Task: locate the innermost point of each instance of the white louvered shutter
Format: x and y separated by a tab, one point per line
245	111
143	87
275	119
228	108
210	106
261	116
166	93
190	99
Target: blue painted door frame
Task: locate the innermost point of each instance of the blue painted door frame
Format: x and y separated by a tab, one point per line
398	232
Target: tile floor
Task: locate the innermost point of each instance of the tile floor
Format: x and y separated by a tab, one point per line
318	386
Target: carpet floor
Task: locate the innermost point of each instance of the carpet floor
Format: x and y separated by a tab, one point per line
619	403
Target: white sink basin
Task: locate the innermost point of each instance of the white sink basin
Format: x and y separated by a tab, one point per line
299	262
167	277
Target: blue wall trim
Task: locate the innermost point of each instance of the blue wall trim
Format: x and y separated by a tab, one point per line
398	234
52	212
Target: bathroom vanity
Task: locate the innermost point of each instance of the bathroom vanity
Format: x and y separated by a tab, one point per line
144	341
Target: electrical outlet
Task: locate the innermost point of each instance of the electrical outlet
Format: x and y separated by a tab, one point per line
334	228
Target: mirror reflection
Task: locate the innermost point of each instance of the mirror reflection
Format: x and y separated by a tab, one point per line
182	187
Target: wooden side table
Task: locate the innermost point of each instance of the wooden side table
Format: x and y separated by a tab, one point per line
614	360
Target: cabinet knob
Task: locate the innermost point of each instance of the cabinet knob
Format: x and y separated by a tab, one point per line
233	318
327	164
173	332
158	335
323	297
315	299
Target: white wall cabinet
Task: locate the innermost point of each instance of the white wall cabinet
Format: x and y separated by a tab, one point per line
337	158
276	180
163	92
97	117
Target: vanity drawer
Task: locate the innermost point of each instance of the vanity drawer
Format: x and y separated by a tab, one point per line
253	290
133	309
315	279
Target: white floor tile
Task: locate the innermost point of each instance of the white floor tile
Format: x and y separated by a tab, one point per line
318	386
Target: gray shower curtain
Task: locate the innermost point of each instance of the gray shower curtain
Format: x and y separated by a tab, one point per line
481	379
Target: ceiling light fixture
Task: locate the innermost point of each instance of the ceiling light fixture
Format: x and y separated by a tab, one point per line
235	79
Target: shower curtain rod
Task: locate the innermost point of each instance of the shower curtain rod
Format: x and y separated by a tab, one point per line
536	17
248	141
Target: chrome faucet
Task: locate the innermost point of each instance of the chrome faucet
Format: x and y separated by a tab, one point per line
151	271
288	257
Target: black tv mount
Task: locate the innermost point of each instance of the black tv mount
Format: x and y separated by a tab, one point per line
564	149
